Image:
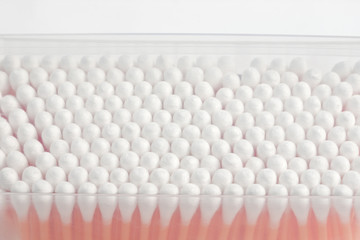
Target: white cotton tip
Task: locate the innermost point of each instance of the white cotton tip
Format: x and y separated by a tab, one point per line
274	106
121	116
278	64
243	149
277	204
169	161
353	80
277	163
321	203
159	177
211	105
170	131
104	90
180	147
319	163
82	117
10	62
203	90
8	177
191	132
266	178
114	76
200	148
231	80
5	127
265	120
78	176
355	164
352	103
270	77
65	203
298	65
255	135
149	160
250	77
219	148
312	105
260	64
235	107
300	205
160	146
310	178
201	118
17	161
125	62
62	118
85	90
8	103
42	186
109	161
305	119
141	116
25	93
297	164
2	159
353	134
31	174
142	89
231	162
57	77
205	62
120	146
312	77
233	203
209	205
349	149
138	176
30	62
129	160
89	161
49	63
32	149
222	178
331	79
87	62
95	76
340	164
68	161
289	78
119	176
343	69
59	147
189	163
34	107
182	117
94	103
162	89
180	177
200	177
17	118
183	90
288	178
20	187
210	163
232	135
192	103
90	132
255	164
332	105
26	132
167	204
244	93
145	61
224	95
152	103
98	176
254	205
322	91
44	161
162	117
68	62
140	145
100	146
306	149
110	131
46	90
330	178
185	62
345	119
130	131
265	149
295	133
344	204
79	147
18	77
66	90
254	106
316	134
293	105
134	75
54	103
281	91
244	177
342	191
9	143
328	149
351	179
54	175
275	134
153	76
172	75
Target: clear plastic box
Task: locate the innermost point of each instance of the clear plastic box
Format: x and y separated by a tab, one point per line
58	216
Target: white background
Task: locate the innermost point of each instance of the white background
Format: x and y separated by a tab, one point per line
322	17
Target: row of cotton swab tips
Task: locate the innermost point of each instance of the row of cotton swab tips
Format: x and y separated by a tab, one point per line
66	217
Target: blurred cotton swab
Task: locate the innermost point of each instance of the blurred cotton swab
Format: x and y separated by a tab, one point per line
321	207
87	204
276	205
167	206
65	205
127	206
300	205
107	206
147	205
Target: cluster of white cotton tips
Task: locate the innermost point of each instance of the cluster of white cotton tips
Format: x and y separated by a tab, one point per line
174	124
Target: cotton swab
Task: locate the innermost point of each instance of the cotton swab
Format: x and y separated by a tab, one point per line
127	206
87	203
167	206
107	206
300	206
65	205
147	205
321	207
276	206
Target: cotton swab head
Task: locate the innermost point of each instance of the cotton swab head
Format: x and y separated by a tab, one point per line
254	203
321	203
168	204
277	204
65	203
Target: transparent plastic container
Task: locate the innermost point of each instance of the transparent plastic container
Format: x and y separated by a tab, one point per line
90	217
